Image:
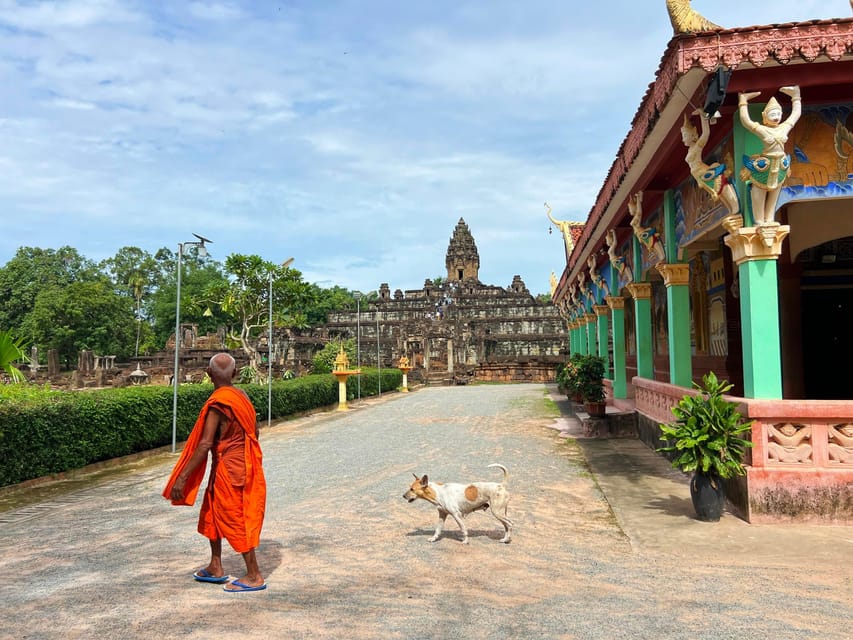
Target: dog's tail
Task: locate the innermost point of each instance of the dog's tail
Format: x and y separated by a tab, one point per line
502	468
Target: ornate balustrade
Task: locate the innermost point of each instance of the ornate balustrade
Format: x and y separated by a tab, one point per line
801	462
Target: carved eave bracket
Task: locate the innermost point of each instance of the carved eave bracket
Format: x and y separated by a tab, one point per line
640	290
615	302
674	273
601	309
757	243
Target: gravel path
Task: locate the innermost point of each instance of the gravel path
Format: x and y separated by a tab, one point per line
346	557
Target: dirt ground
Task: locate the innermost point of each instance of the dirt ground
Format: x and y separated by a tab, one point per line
346	557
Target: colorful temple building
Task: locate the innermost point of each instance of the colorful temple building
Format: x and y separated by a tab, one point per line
722	240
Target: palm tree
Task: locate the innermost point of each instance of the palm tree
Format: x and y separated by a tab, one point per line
11	350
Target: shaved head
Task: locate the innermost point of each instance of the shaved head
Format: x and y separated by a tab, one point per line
222	368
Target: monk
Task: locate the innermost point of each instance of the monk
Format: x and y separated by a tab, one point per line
234	501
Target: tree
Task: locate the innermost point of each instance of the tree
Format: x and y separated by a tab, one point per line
198	276
245	298
324	359
134	272
30	271
82	315
325	300
11	351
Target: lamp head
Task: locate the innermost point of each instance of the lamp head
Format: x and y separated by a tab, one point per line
202	250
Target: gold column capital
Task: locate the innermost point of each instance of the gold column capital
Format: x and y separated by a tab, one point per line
600	309
640	290
674	273
763	242
590	318
615	302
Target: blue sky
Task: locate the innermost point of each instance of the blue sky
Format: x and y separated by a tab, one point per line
351	135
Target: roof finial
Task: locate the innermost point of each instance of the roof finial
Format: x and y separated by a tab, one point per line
685	19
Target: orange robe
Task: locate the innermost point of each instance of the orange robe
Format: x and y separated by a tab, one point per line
234	502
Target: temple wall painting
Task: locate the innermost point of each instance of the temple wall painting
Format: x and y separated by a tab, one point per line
821	148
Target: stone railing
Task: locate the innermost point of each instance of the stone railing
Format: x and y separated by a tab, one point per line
801	461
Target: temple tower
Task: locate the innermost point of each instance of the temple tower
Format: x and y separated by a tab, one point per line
463	261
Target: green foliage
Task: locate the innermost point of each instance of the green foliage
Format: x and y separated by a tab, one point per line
82	315
370	378
567	375
590	378
323	301
30	271
11	351
43	432
247	375
324	359
582	375
198	274
706	435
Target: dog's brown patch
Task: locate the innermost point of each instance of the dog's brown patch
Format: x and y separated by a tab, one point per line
471	493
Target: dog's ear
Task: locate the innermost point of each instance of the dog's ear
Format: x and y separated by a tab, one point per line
424	481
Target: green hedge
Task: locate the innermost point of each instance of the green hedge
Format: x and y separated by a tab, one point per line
47	432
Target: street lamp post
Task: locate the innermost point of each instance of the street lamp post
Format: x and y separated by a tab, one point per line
357	296
378	361
202	251
284	265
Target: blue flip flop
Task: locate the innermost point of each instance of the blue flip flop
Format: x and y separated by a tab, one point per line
241	587
203	575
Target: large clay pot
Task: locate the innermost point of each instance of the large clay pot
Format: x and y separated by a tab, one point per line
708	496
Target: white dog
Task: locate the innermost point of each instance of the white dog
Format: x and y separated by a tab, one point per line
458	500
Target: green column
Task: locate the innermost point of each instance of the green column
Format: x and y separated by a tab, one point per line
620	383
676	277
591	334
582	343
642	294
759	317
754	251
602	329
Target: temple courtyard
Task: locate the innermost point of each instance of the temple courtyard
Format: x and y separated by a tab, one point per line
605	543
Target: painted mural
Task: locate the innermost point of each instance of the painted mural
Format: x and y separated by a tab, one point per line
821	148
696	211
717	324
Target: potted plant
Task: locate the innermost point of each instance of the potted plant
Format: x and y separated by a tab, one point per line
705	439
567	378
590	376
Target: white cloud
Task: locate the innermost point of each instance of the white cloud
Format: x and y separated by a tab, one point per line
351	135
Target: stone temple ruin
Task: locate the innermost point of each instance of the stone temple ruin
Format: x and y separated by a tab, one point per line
455	331
452	331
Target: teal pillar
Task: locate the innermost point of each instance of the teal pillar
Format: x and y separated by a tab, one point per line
759	317
582	343
676	277
602	330
591	334
620	382
572	345
642	294
755	251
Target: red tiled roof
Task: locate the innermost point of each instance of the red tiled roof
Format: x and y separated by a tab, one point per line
730	47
